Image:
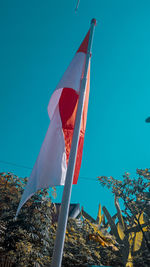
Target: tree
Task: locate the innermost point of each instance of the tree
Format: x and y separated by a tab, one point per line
25	240
135	222
30	238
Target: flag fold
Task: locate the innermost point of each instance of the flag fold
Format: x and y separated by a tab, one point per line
51	165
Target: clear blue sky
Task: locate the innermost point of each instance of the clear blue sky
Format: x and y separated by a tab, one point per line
37	42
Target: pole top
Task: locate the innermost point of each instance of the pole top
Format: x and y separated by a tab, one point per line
93	21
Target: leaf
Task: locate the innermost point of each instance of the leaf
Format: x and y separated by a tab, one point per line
141	221
48	204
120	230
99	216
121	221
129	260
138	241
112	225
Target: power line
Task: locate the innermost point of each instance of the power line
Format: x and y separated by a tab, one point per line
14	164
29	168
88	178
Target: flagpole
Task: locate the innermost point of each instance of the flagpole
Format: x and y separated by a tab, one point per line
63	216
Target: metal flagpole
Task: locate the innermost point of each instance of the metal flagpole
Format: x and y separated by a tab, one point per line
63	216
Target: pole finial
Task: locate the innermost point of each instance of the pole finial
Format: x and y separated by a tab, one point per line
93	21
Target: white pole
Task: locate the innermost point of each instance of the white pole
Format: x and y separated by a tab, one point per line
63	216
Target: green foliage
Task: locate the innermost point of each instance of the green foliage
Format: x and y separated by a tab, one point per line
30	238
87	245
134	192
26	239
132	228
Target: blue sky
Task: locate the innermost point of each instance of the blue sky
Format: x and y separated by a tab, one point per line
38	40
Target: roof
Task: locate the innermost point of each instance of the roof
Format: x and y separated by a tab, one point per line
74	211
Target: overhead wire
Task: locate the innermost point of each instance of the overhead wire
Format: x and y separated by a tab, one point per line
29	168
15	164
